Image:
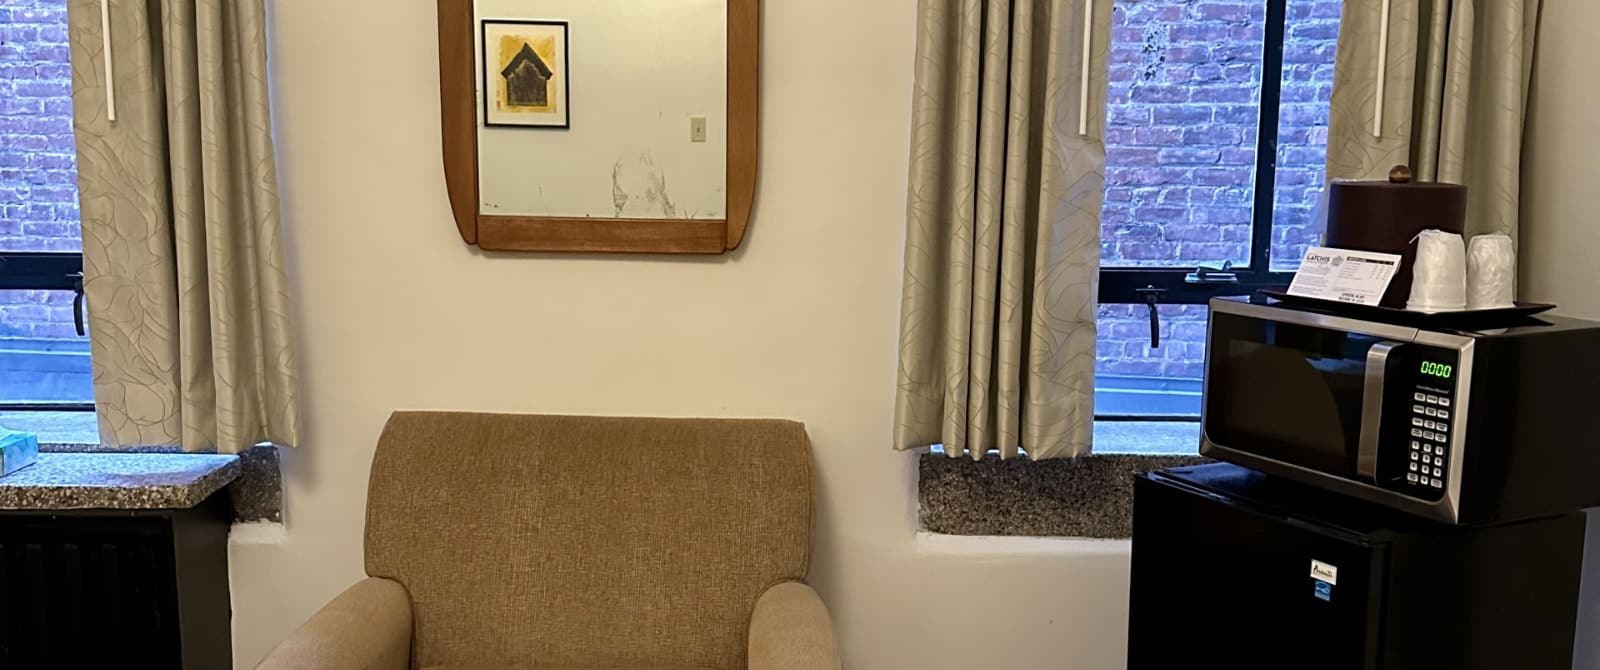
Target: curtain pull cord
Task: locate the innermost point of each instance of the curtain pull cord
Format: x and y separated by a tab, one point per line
1083	75
1383	72
111	73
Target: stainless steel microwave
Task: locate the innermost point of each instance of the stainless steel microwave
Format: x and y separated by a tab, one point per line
1462	426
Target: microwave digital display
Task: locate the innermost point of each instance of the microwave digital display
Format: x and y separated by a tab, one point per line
1440	370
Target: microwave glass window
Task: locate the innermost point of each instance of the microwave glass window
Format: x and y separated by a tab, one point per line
1292	393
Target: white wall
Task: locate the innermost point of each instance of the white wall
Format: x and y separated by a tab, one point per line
1560	220
394	312
640	71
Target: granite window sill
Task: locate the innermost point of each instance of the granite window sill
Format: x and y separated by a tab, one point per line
81	481
1089	497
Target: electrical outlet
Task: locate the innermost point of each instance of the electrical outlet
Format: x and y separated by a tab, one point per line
697	129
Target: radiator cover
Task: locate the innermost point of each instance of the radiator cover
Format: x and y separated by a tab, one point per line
112	588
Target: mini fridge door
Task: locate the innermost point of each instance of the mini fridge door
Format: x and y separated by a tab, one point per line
1222	584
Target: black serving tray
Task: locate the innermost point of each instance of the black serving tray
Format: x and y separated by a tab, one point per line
1472	319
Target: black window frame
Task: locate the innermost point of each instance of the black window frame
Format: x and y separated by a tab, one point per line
1178	285
42	271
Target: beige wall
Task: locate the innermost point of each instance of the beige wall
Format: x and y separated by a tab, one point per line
395	312
1561	209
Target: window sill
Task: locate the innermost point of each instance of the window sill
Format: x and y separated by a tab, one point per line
75	429
1089	497
88	476
78	481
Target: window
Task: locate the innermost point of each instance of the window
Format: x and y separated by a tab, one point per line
45	379
1215	149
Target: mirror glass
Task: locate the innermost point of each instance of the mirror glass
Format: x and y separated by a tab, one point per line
602	109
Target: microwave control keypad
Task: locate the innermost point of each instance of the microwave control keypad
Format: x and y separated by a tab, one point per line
1430	438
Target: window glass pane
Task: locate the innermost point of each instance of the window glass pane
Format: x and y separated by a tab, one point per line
1181	169
44	362
1308	58
1132	379
42	359
1184	115
38	164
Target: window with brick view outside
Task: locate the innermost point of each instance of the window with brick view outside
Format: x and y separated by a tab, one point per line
1180	170
42	359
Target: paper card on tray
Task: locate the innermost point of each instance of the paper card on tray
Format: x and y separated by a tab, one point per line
1342	275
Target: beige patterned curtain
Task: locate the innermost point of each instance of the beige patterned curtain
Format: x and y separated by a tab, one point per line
997	338
1455	90
183	257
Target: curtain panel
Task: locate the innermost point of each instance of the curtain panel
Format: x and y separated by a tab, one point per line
997	343
183	255
1442	86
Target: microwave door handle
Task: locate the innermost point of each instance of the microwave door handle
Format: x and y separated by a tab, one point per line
1372	393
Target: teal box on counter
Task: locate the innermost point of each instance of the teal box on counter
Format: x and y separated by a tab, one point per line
17	451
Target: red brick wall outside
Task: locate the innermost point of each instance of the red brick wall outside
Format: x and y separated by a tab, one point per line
38	167
1181	154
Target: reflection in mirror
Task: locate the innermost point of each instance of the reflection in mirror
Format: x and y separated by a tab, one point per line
602	109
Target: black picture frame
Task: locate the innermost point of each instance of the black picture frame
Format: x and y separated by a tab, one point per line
565	72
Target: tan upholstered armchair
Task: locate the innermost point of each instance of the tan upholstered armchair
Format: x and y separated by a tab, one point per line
498	541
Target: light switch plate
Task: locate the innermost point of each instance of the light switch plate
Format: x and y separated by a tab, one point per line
697	129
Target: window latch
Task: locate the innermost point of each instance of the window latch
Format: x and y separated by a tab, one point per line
77	304
1152	298
1213	276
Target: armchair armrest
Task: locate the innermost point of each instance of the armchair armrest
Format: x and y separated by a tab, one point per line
368	626
790	630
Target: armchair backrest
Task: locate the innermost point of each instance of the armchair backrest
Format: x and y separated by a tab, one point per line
586	541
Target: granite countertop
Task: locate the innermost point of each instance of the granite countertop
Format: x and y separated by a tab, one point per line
65	481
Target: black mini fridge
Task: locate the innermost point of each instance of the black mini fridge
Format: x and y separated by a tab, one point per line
1236	570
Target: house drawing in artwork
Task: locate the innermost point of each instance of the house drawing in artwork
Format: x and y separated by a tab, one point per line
527	79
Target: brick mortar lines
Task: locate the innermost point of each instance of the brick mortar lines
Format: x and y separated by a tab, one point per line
1180	154
38	166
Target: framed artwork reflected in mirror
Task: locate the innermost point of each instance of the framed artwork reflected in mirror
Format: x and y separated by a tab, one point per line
526	74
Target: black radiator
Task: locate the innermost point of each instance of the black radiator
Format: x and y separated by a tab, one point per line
115	589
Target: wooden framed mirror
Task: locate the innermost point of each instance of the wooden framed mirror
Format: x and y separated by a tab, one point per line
572	126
